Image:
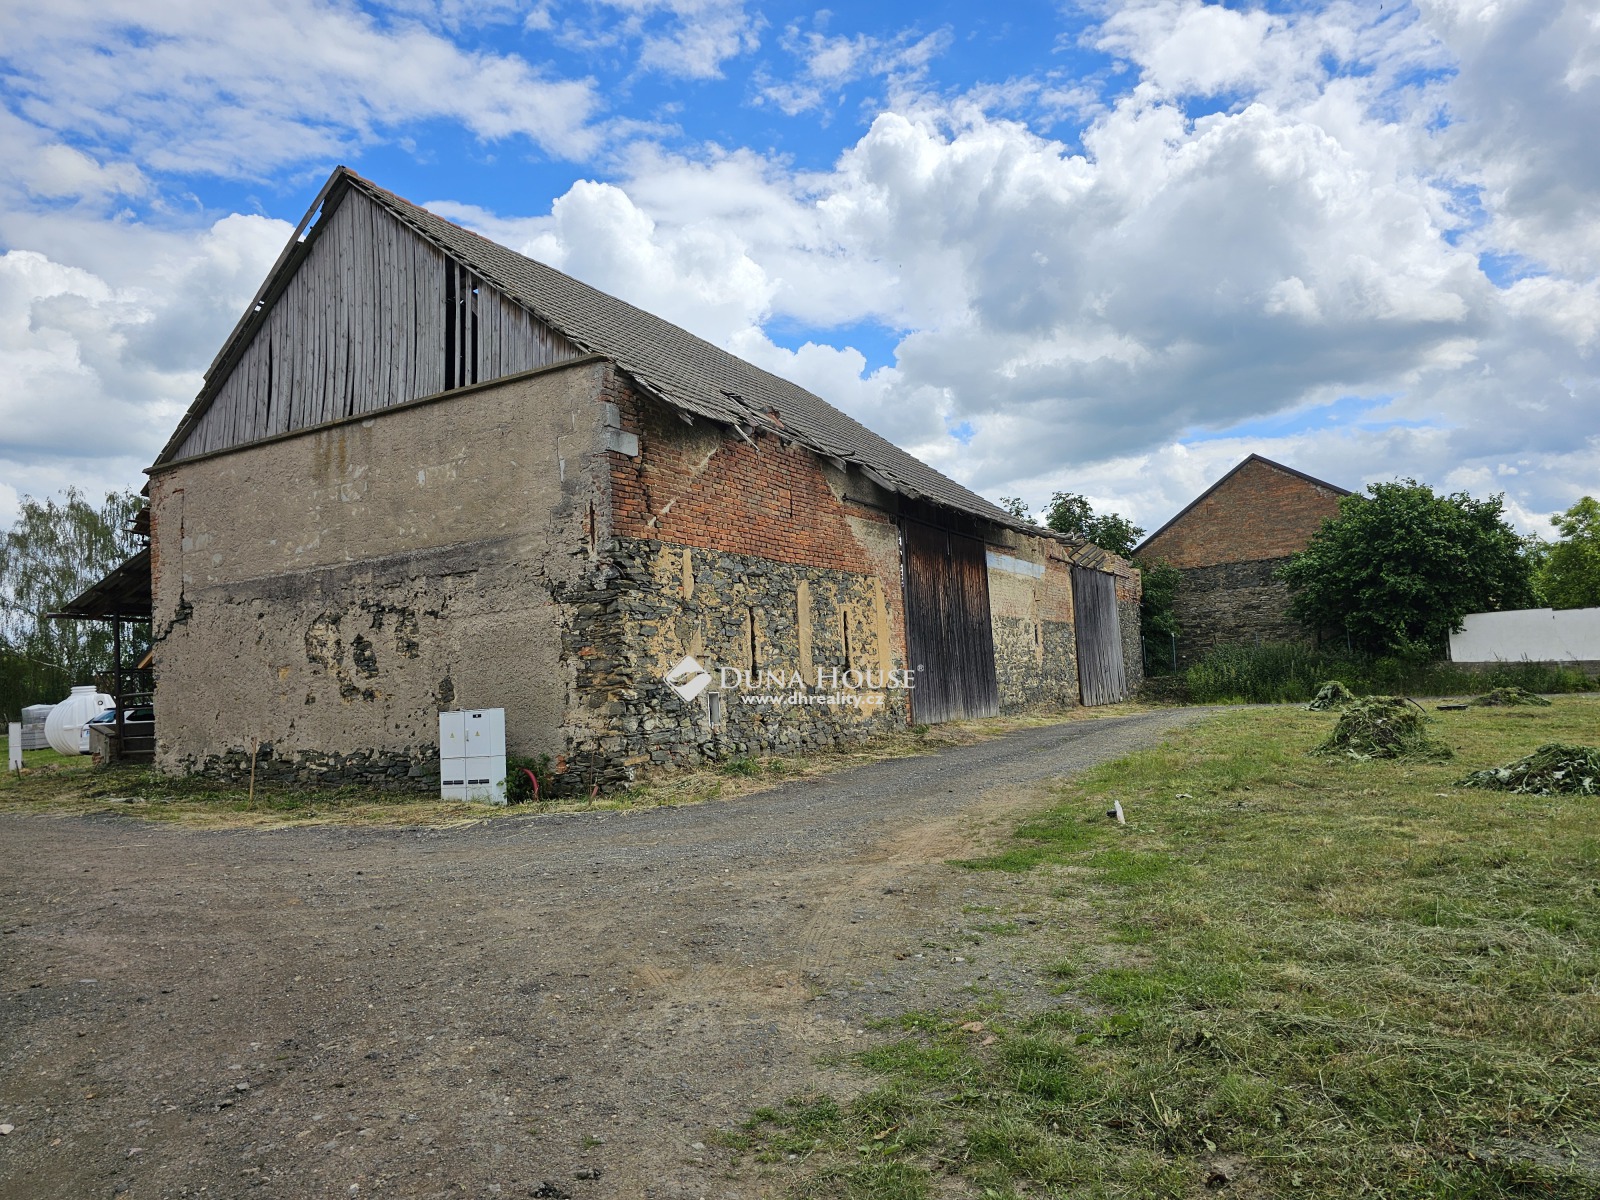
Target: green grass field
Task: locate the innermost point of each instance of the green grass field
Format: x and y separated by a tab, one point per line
1293	975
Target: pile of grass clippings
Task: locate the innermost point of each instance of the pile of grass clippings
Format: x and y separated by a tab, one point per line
1502	697
1555	768
1331	695
1382	727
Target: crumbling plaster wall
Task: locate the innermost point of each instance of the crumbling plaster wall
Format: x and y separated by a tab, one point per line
1030	605
328	592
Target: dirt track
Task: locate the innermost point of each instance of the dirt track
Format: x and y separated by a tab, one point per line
552	1005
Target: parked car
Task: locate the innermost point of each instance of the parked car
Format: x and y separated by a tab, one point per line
142	712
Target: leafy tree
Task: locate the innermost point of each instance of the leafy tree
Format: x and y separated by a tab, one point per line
1569	570
52	553
1073	515
1017	507
1398	570
1156	615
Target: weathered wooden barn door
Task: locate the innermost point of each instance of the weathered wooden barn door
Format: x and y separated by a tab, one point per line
1102	675
948	635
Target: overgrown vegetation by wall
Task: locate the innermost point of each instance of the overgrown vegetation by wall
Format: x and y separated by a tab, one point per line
1291	674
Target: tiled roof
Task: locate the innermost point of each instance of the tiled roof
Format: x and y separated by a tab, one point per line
685	371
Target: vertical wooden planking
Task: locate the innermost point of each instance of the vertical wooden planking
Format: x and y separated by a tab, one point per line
384	300
405	286
362	296
1102	674
311	289
294	344
428	333
364	323
275	401
487	301
351	287
949	636
252	384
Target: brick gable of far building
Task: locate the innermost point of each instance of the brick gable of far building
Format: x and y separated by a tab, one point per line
1228	545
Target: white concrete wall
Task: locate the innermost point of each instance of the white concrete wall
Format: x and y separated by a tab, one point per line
1531	634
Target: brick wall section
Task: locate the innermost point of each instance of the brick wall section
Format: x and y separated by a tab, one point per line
701	486
1260	512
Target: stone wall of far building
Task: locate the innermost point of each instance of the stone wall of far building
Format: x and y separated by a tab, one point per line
1234	604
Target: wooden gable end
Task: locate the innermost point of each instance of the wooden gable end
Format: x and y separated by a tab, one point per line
371	317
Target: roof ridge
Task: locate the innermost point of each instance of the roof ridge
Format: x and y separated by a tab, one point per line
743	409
680	368
1229	474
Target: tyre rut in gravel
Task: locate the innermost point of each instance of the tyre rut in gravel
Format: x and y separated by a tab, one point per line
559	1003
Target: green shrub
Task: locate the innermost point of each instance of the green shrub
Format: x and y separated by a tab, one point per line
519	788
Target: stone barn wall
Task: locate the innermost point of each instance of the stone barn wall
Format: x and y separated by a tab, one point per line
751	559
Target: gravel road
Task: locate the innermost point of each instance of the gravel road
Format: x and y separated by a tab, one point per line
551	1005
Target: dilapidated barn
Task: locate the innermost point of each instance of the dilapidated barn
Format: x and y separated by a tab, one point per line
426	472
1228	544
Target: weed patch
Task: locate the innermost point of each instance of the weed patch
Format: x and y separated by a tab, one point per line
1505	697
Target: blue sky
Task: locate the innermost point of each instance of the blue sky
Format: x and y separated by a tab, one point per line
1110	248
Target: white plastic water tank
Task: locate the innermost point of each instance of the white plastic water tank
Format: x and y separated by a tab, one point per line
64	727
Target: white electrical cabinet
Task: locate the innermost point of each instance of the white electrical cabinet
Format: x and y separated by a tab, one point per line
472	755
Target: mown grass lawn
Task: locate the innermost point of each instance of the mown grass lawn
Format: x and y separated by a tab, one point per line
1294	975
